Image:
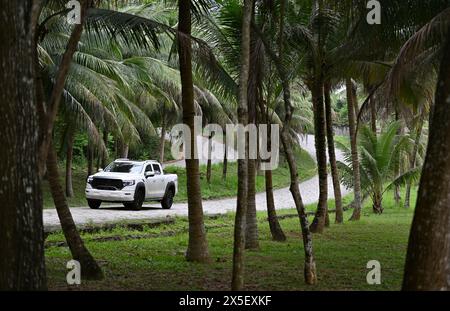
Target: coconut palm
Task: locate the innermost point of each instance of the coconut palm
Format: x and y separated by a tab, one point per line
379	157
280	60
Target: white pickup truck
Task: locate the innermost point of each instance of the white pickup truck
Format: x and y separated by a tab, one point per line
131	183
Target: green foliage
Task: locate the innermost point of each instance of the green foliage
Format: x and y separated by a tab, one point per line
379	159
149	149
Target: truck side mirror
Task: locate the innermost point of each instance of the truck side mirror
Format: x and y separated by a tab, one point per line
100	170
149	174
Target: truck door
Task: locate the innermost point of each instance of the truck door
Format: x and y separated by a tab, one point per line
149	183
159	185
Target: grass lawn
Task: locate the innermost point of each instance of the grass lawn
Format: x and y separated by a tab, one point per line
153	259
217	189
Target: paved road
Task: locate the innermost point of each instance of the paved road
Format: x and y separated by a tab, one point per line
116	213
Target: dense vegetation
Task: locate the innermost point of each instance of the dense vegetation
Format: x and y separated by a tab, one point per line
75	96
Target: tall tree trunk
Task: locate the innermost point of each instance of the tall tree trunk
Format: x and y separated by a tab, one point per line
90	159
412	163
105	141
69	158
198	246
98	162
162	140
237	282
22	262
89	267
351	101
318	223
209	162
397	196
377	201
310	263
274	224
125	150
427	261
251	230
373	116
332	155
225	160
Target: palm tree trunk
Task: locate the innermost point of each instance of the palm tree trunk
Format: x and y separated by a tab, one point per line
351	101
332	155
413	160
237	282
90	268
225	160
310	263
22	261
98	156
125	149
274	224
373	116
69	157
90	159
275	228
209	162
378	202
397	196
105	141
427	265
251	230
318	223
198	246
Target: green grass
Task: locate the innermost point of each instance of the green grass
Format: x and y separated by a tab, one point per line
217	189
156	261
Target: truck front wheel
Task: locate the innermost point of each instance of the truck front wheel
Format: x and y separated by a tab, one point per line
94	204
139	198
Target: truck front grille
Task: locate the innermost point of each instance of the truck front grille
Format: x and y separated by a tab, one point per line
107	184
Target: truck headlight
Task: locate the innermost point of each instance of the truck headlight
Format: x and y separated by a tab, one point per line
127	183
89	180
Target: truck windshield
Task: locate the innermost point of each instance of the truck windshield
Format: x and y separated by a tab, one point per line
121	167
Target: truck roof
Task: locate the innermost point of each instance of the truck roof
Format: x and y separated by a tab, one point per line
132	161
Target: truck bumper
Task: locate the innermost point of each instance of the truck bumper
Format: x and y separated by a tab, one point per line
110	196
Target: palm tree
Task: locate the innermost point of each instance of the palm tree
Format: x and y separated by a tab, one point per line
237	282
278	60
426	266
198	246
379	157
318	38
415	154
51	111
332	154
351	102
22	263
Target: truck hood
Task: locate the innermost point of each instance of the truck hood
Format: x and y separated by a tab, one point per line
123	176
